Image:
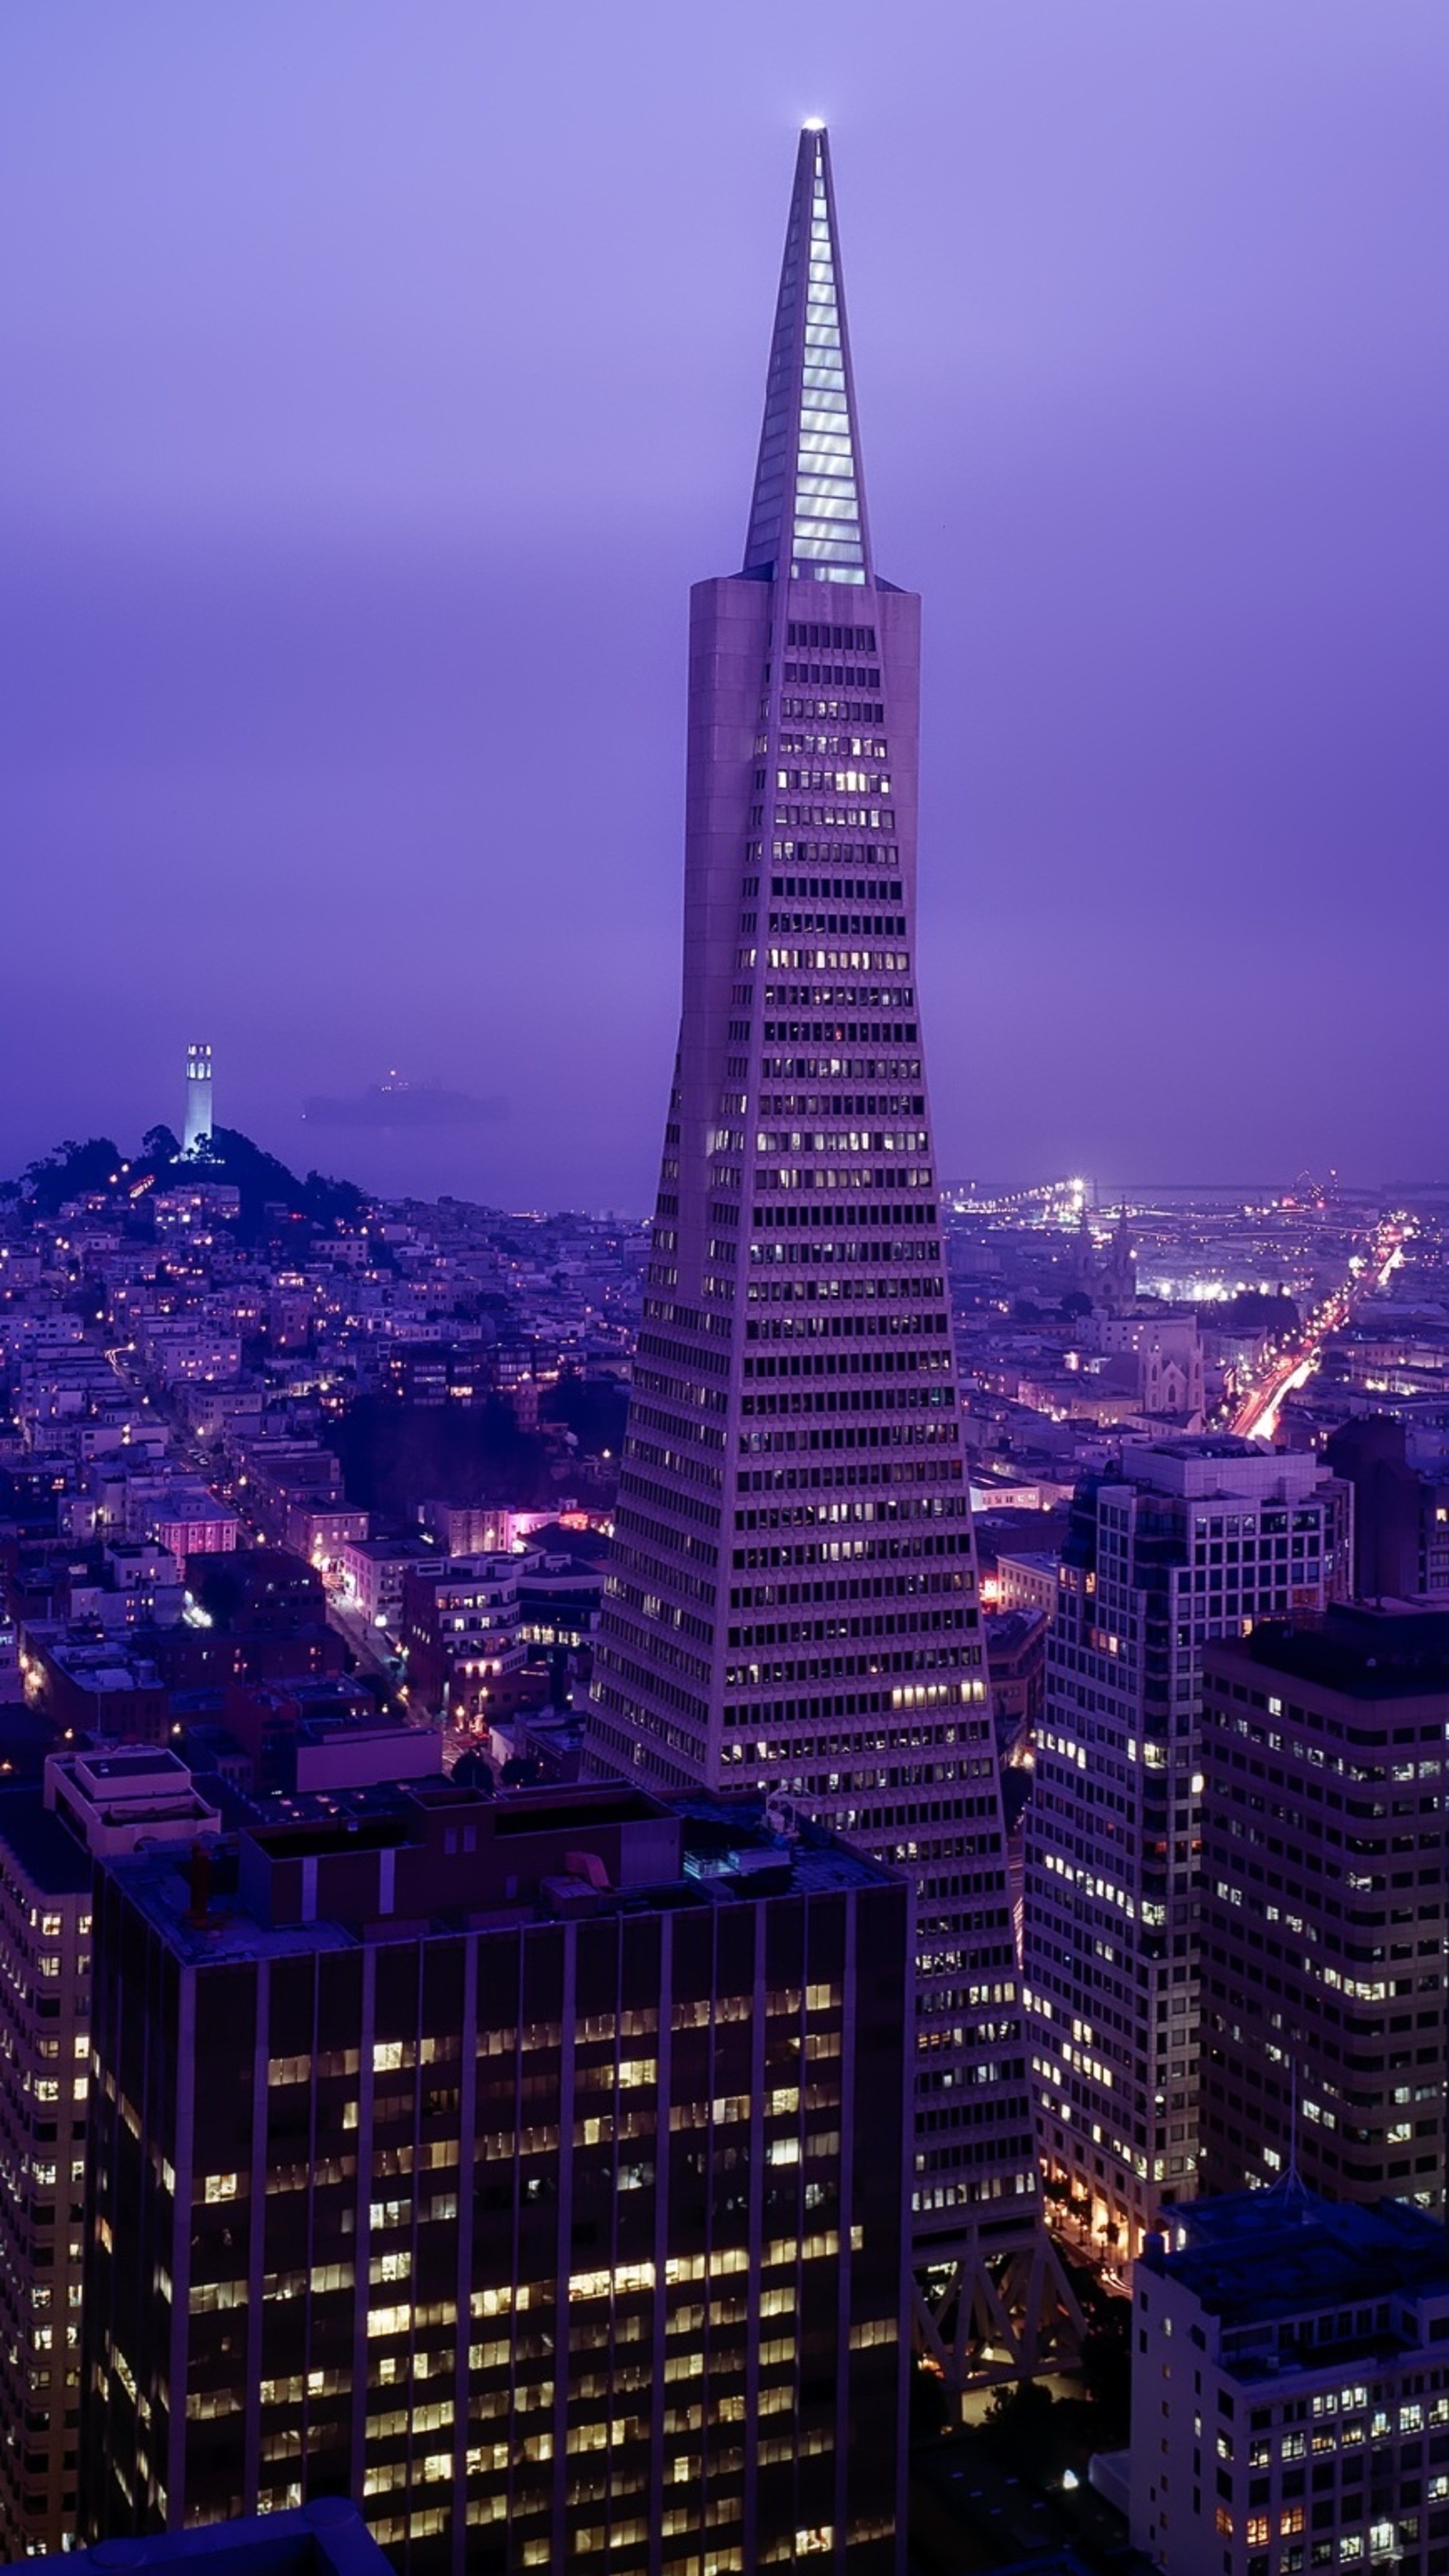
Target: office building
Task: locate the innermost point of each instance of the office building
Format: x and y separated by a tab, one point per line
531	2170
1290	2388
1400	1516
1191	1539
90	1802
1323	1890
792	1601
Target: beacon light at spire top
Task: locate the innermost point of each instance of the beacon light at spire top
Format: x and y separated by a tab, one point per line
812	125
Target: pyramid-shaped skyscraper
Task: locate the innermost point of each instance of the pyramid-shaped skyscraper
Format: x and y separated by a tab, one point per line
793	1599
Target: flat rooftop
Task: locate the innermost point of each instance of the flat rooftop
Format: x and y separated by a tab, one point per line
48	1855
729	1852
1255	2257
325	2538
1364	1653
128	1770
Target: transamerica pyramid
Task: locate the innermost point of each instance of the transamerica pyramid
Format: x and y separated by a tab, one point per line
792	1601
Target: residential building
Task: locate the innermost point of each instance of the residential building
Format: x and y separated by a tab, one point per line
532	2169
1026	1579
187	1520
461	1634
1323	1897
1187	1540
1290	2388
468	1529
372	1574
792	1602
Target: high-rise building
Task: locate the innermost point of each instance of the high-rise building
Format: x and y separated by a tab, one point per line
529	2169
90	1802
1400	1517
1290	2388
1323	1893
792	1602
196	1136
1190	1539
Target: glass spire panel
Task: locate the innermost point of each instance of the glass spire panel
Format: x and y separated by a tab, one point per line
808	518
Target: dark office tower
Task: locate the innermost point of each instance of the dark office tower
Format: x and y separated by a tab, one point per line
1400	1517
90	1802
792	1602
45	1944
1324	1880
530	2170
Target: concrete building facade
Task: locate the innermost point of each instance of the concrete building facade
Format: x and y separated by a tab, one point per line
1192	1539
792	1602
1323	1897
1290	2388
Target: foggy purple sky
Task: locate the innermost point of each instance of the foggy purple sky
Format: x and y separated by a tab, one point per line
378	379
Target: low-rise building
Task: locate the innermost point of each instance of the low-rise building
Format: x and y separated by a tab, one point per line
1026	1579
372	1572
461	1634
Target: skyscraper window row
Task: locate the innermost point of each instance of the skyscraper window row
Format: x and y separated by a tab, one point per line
833	675
838	1401
877	925
864	1586
772	1173
865	711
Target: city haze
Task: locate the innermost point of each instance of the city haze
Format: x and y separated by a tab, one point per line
381	386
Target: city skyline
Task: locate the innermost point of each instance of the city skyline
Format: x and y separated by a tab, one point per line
1152	331
637	1853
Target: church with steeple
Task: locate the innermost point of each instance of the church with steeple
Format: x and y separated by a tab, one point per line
1108	1278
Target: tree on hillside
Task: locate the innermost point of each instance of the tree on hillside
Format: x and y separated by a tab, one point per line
70	1169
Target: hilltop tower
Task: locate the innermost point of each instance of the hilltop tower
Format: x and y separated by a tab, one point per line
792	1603
197	1135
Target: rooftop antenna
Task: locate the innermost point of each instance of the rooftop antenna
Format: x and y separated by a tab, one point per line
1293	2188
1293	2174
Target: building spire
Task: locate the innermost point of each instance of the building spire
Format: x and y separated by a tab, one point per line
808	514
